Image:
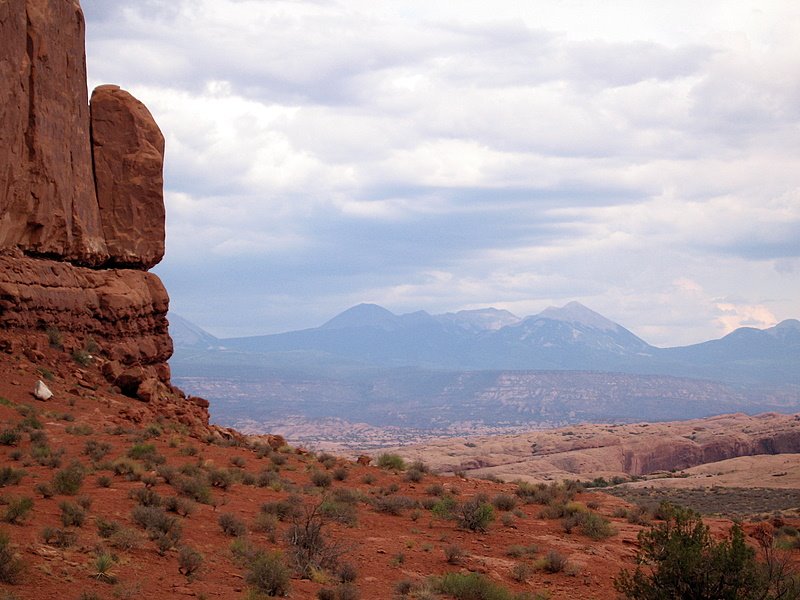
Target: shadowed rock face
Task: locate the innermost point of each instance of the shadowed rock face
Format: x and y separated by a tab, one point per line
80	220
128	151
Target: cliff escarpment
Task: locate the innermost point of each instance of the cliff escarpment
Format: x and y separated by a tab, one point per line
81	206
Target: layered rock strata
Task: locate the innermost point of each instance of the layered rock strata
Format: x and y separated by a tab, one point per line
81	203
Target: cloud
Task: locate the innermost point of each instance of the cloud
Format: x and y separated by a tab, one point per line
639	158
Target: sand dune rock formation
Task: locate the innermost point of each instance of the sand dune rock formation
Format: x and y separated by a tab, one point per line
81	202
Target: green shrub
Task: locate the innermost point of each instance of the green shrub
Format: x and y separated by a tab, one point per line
11	565
68	481
17	509
321	479
189	560
71	514
504	502
10	437
470	586
475	514
181	506
220	478
553	562
96	450
268	574
195	488
60	538
681	555
105	529
232	525
391	461
10	476
145	496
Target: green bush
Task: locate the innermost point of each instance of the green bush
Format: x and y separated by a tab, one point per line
189	560
470	586
71	514
321	479
268	574
68	481
680	557
10	437
475	514
11	566
391	461
17	509
60	538
10	476
232	525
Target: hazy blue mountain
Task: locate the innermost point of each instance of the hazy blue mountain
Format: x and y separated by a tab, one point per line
571	337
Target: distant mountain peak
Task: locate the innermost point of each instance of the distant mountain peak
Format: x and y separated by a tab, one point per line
481	319
363	315
575	312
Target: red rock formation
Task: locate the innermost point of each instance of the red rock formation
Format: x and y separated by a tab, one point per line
128	151
52	226
48	204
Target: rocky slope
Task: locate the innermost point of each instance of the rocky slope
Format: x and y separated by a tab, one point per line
595	450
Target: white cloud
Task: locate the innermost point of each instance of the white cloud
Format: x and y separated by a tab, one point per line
640	157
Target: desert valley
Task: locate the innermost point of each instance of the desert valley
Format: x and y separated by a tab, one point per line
474	455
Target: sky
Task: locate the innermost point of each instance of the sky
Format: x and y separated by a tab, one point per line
641	157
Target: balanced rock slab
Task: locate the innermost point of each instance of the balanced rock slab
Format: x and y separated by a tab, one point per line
128	150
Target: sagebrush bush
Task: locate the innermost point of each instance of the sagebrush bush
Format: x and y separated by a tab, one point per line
59	538
475	514
11	566
268	574
17	509
391	461
321	479
189	560
10	476
232	525
454	554
71	514
68	481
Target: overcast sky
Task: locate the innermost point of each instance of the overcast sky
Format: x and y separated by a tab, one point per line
641	157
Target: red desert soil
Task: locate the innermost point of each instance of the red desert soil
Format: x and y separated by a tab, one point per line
384	548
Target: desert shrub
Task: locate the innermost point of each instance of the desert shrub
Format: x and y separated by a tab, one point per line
475	514
542	493
220	478
340	473
178	505
68	481
268	574
454	554
595	526
265	523
125	539
163	529
105	529
321	479
237	461
96	450
79	429
326	594
145	496
195	488
103	563
327	460
278	459
60	538
393	505
347	591
127	468
309	549
445	508
232	525
11	566
680	554
104	481
17	509
188	450
518	551
470	586
54	337
341	512
414	475
521	572
553	562
148	480
71	514
435	489
391	461
45	489
504	502
10	476
189	560
283	510
10	437
368	479
347	572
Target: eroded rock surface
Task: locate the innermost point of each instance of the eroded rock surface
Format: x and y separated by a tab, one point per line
48	205
128	151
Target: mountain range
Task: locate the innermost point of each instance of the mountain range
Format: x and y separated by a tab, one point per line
571	337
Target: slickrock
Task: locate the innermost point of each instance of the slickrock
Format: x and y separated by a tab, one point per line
128	151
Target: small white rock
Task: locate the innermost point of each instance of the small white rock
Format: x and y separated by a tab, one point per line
41	391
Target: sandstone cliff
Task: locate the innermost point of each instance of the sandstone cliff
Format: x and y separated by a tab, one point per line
81	205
